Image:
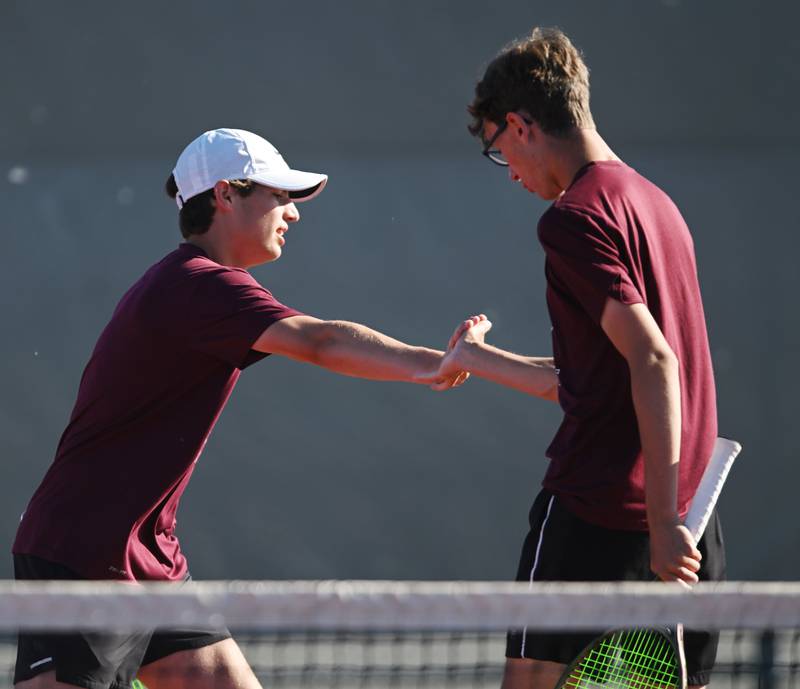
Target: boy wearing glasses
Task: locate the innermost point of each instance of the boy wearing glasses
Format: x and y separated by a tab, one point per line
631	366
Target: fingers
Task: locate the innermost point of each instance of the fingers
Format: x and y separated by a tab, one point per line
689	544
682	575
459	331
691	563
439	384
674	555
689	567
451	382
480	329
427	378
463	327
461	378
684	570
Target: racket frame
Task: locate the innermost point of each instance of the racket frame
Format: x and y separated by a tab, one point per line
700	511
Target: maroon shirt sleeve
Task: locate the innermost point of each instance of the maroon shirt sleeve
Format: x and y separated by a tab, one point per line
613	234
159	376
225	313
587	260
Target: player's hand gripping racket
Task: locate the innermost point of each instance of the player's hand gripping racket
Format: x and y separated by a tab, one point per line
651	658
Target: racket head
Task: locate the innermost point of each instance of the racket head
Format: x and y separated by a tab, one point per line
630	659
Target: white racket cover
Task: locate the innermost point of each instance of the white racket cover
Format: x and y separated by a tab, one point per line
705	499
710	487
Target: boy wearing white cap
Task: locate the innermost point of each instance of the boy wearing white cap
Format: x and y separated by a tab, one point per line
159	376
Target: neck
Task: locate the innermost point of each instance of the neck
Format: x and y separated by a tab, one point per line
216	250
572	153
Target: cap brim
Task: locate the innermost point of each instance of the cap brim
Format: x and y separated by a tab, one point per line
302	186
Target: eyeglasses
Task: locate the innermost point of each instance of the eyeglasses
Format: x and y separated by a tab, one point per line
494	154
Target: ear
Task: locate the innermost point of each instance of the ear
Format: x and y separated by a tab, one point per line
223	196
519	126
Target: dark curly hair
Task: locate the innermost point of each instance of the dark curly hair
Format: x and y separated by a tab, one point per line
542	75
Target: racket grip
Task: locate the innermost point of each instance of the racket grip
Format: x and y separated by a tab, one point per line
710	487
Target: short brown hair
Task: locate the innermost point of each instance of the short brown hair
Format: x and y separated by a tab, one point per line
197	214
543	75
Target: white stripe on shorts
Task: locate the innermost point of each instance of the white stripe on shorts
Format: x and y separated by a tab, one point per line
536	562
41	662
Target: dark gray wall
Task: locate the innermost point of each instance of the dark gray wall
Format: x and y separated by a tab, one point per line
310	475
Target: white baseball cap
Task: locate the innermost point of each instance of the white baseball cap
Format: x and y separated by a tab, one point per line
238	154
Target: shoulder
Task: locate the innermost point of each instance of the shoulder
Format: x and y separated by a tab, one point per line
591	198
567	226
187	285
612	190
189	268
607	202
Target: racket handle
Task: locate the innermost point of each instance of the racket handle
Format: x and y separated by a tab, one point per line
708	491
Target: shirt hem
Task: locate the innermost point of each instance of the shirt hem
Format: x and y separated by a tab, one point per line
632	521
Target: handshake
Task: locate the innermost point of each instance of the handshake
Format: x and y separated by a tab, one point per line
456	362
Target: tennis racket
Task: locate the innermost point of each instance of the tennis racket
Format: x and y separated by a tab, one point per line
651	658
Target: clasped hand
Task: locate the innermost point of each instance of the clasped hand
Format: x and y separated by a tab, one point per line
454	366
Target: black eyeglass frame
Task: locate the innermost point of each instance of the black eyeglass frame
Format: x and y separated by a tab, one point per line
490	152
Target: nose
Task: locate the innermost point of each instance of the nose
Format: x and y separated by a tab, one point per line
513	176
290	213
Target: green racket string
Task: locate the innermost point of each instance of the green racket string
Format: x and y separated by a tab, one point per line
636	659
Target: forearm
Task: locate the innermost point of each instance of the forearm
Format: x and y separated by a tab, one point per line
355	350
655	386
532	375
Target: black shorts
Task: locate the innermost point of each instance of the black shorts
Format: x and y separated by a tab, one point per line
95	660
562	547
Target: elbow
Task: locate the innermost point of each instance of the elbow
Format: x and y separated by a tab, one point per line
321	343
661	359
665	358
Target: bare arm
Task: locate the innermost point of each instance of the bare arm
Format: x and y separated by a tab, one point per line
467	351
348	348
655	387
532	375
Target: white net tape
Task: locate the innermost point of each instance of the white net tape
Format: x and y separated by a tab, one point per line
387	605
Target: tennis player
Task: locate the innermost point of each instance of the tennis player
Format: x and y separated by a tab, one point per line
631	366
160	375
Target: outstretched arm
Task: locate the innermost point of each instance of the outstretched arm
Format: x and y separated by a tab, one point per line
469	352
655	387
351	349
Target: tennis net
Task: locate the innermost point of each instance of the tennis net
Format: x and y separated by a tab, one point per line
415	634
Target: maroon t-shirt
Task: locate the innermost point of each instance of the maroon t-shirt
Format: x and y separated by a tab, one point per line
615	234
156	383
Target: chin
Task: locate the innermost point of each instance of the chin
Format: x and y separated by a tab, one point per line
271	255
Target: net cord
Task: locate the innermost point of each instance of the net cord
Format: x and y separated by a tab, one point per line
397	606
